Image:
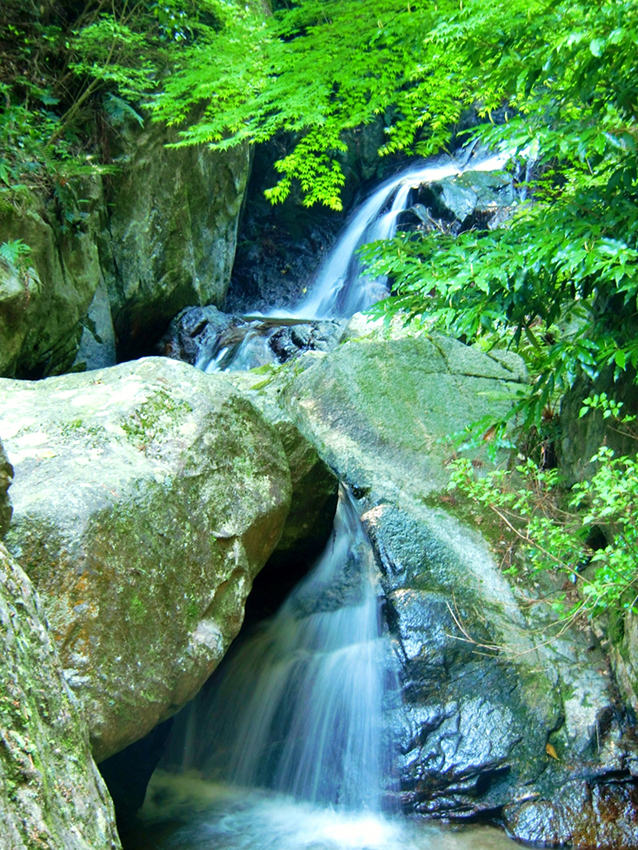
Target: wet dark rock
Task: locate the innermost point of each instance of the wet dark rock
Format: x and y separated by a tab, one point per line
194	333
497	722
583	814
480	199
204	336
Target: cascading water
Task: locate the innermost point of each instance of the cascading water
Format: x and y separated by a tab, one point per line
342	286
299	709
289	745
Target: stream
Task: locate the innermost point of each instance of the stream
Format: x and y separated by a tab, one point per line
290	744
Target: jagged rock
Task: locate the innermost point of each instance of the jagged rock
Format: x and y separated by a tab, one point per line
495	722
51	794
6	477
146	498
171	233
97	343
470	199
212	340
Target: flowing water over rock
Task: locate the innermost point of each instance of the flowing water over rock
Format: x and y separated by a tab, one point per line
299	707
342	286
289	746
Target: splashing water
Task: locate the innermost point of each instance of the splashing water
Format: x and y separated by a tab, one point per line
185	813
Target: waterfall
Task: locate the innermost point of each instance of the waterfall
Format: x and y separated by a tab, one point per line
289	746
300	707
342	286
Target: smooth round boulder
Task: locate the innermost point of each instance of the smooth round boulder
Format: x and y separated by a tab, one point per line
146	498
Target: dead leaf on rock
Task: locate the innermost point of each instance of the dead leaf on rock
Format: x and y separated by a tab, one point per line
549	749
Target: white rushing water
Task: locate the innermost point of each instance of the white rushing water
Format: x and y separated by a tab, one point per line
186	813
299	707
342	287
289	746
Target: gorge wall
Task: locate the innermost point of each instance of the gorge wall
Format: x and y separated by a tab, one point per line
112	264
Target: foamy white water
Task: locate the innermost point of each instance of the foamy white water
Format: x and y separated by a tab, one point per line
188	813
342	287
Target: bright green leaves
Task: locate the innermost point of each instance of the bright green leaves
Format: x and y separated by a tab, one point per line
560	281
315	70
552	527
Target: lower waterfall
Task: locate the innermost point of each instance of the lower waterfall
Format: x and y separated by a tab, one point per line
299	708
289	746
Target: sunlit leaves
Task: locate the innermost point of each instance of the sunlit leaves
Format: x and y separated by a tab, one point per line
553	536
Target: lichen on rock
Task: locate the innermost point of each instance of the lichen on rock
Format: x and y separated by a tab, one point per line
52	796
146	498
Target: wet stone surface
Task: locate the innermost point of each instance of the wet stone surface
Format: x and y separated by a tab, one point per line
215	341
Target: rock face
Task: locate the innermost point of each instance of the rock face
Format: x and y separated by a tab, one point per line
171	233
51	794
121	258
45	295
146	498
6	477
495	723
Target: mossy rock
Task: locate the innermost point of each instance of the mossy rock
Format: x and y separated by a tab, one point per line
52	796
146	499
6	477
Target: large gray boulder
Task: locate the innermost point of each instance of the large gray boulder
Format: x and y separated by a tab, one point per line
171	232
382	411
51	794
146	498
495	720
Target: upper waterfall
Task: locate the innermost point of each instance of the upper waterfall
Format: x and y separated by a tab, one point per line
342	286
